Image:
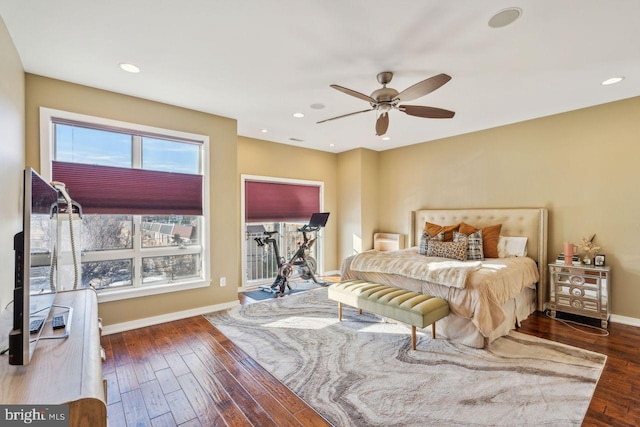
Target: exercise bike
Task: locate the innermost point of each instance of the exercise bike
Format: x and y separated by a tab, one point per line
305	264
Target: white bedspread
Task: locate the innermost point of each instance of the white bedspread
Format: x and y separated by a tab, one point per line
409	263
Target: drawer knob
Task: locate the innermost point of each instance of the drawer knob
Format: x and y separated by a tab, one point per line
576	303
577	280
577	292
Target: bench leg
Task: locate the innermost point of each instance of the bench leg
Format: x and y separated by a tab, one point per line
433	330
413	337
340	312
359	311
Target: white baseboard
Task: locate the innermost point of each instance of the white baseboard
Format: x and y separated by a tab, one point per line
169	317
631	321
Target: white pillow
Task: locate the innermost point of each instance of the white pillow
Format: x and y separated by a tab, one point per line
512	246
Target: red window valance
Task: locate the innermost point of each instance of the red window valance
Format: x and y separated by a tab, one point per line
275	202
114	190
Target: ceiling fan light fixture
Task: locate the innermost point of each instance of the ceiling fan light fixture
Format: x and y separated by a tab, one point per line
386	138
612	81
505	17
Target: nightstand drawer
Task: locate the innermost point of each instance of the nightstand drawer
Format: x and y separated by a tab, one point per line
577	279
590	305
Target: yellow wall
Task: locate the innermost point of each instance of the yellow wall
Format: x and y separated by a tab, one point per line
581	165
263	158
11	158
357	200
223	182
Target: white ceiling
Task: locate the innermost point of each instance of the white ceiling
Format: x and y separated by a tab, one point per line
260	61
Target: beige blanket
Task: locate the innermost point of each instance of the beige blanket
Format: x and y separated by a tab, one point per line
408	263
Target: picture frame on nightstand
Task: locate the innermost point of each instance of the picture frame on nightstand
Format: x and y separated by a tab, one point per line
598	261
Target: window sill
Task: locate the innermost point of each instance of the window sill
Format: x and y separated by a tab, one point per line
128	293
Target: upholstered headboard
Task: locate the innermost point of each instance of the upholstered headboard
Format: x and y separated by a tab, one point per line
529	222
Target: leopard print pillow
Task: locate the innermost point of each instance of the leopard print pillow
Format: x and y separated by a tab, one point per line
453	250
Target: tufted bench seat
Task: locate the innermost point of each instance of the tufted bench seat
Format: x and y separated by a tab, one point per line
412	308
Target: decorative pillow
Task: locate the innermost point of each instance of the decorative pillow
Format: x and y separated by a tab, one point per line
490	236
454	250
426	237
474	244
512	246
434	229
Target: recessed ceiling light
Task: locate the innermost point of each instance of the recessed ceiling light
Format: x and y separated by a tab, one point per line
612	81
386	138
129	68
264	130
332	145
505	17
298	115
317	106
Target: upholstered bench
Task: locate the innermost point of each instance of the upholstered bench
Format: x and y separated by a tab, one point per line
412	308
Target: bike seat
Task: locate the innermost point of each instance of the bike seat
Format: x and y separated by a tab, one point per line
270	233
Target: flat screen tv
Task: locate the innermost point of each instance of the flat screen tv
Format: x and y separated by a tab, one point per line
34	246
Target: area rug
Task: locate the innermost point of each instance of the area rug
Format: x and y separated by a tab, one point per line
362	371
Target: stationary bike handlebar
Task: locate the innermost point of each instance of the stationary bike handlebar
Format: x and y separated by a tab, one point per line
307	228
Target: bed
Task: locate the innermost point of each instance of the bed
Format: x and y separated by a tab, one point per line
487	297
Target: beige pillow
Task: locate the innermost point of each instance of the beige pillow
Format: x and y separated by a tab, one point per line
490	237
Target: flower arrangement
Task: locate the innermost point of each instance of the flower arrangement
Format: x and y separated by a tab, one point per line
588	247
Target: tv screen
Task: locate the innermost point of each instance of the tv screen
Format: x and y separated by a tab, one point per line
35	246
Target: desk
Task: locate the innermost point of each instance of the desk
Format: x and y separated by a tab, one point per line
63	370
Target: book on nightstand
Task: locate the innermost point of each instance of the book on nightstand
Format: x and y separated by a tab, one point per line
575	259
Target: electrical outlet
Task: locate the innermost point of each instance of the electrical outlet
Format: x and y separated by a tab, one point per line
223	281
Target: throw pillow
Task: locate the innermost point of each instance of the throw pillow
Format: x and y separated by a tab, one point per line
490	236
512	246
474	244
453	250
434	229
426	237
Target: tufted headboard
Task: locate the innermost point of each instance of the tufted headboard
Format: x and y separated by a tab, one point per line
529	222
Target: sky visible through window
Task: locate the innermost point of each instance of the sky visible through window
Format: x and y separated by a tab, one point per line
99	147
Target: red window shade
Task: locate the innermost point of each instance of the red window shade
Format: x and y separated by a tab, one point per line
270	201
114	190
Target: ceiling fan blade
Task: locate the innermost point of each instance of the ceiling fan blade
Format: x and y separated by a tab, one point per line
382	124
428	112
345	115
422	88
354	93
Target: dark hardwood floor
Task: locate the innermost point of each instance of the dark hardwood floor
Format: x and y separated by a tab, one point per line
187	373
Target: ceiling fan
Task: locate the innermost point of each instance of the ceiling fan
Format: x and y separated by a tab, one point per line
386	99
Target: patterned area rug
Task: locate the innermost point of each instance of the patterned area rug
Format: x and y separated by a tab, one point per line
362	371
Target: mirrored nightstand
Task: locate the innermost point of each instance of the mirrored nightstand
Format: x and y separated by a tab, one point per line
580	289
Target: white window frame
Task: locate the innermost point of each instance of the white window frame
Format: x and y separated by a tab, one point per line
138	289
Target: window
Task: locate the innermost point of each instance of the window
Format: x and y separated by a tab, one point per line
144	199
282	205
